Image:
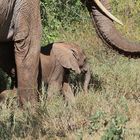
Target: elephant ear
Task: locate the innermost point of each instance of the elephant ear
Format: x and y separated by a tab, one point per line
67	57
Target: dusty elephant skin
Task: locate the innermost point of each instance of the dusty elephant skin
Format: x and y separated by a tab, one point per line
20	23
57	60
106	30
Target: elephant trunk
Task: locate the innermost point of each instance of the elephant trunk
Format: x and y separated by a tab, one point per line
106	30
86	69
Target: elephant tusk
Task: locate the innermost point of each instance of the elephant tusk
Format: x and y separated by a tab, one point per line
99	4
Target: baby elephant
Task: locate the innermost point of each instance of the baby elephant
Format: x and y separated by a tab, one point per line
57	59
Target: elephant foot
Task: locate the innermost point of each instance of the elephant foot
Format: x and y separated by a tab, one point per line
7	94
53	90
68	94
8	98
85	92
28	97
52	94
70	99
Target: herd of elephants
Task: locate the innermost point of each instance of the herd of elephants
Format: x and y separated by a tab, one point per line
28	64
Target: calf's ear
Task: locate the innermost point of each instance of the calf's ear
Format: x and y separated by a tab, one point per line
67	57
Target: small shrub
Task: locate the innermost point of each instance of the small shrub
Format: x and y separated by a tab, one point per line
116	128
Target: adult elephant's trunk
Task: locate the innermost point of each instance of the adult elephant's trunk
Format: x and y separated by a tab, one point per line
106	29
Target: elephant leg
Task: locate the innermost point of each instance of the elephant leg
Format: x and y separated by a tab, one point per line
27	72
13	76
54	87
66	89
27	49
8	94
56	79
87	73
68	94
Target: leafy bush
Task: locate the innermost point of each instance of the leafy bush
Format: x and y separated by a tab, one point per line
116	127
57	14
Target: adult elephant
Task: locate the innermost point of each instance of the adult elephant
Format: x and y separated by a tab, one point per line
56	62
20	23
105	28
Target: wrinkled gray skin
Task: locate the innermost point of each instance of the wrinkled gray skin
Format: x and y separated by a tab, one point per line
106	30
20	24
57	60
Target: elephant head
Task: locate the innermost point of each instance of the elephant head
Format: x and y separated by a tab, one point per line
67	56
71	56
105	28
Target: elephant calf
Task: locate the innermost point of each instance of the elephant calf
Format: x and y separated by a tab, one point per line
57	60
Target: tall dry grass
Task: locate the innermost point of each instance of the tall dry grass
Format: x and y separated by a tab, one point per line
110	111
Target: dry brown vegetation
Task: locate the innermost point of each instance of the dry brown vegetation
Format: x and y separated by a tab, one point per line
110	111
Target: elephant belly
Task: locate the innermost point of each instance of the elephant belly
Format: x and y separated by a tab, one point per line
6	19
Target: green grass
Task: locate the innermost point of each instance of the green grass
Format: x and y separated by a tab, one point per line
111	110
